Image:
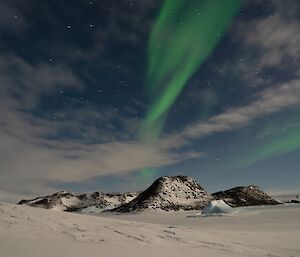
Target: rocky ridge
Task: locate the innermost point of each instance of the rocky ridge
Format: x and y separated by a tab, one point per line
245	196
168	193
66	201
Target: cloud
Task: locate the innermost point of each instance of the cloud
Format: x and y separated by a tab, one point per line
76	144
269	101
23	83
278	38
269	42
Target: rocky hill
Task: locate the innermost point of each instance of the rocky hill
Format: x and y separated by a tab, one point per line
169	193
245	196
65	201
166	193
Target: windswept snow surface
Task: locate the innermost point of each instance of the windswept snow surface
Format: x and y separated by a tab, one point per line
260	232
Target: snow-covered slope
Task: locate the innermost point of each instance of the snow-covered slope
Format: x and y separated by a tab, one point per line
64	201
35	232
245	196
169	193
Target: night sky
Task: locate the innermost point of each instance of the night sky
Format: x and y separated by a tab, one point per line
108	95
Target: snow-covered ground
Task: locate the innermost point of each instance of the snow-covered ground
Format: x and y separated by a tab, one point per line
260	232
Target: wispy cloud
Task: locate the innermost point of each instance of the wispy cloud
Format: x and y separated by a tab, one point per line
269	42
278	38
76	144
269	101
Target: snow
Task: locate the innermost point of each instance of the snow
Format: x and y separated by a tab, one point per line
216	207
35	200
71	201
59	207
32	232
64	201
118	199
91	209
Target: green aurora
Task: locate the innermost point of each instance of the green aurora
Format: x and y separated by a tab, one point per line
274	139
182	38
271	138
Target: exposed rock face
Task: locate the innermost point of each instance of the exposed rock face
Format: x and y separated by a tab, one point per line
295	201
65	201
169	193
245	196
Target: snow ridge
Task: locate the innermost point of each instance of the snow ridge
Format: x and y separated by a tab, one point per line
64	201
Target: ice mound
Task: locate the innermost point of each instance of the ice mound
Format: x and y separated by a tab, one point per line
216	207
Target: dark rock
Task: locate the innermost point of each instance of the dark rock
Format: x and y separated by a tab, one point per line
23	201
95	195
295	201
169	193
245	196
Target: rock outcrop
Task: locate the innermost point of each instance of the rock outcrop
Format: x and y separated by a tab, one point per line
169	193
245	196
